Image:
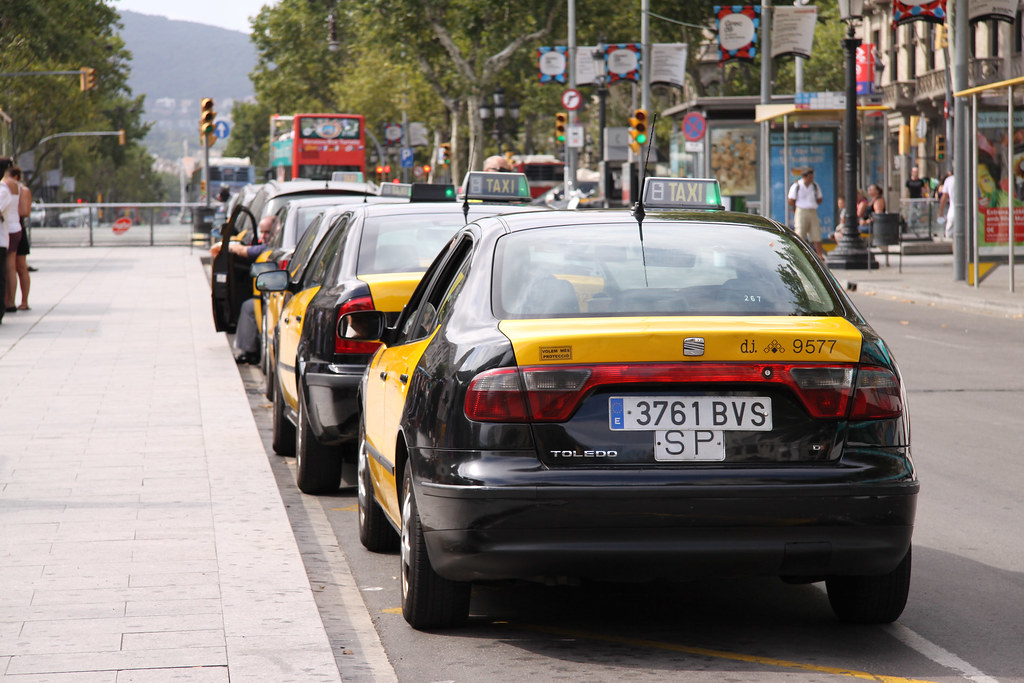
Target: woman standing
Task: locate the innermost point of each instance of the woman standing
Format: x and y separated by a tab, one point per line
12	222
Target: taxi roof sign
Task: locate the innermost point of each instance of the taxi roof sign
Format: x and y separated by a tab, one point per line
496	187
403	190
683	193
431	192
347	177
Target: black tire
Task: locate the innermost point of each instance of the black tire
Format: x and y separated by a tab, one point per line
265	360
375	532
317	467
870	599
283	441
428	600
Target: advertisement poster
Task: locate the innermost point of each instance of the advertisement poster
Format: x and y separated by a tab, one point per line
999	178
737	31
866	69
734	159
551	64
906	11
807	149
793	30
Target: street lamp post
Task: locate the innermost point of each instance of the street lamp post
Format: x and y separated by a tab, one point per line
499	111
601	76
851	252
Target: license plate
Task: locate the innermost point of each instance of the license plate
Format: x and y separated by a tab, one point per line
689	445
715	413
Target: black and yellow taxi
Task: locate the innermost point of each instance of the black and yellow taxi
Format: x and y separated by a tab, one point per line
670	393
370	258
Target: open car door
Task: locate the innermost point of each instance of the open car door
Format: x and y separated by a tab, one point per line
231	283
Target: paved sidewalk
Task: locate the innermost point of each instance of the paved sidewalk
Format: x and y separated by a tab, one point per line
928	279
142	534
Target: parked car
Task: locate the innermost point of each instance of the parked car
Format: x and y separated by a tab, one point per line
75	218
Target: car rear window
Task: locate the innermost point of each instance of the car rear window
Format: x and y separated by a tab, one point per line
679	269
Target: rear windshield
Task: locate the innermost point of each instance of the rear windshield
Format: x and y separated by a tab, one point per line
680	269
406	243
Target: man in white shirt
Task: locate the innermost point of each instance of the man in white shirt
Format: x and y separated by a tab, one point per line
804	197
946	197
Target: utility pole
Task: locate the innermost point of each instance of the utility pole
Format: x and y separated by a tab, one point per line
570	152
766	98
961	175
645	86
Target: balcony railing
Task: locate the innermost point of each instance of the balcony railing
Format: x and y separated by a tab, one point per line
931	85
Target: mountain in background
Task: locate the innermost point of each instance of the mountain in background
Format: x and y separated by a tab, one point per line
177	63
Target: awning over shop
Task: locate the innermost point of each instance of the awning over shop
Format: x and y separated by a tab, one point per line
770	112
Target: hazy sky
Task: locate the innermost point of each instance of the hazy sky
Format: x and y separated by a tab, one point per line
229	14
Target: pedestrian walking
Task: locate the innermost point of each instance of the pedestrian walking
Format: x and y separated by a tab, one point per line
12	225
21	257
946	202
6	201
805	196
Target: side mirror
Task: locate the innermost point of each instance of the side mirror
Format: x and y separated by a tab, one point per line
273	281
362	325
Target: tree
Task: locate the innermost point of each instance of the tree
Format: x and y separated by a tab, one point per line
66	35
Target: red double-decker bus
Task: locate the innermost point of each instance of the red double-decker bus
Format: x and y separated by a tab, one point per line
315	146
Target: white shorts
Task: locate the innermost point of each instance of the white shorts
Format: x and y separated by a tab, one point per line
806	224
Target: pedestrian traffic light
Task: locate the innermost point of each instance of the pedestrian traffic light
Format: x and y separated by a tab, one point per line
445	153
206	119
940	148
87	78
561	120
638	129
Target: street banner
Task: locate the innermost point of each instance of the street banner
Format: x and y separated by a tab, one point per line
999	10
623	62
737	27
906	11
585	72
866	69
793	30
668	63
551	63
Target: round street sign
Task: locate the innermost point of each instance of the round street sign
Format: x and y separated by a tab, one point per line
694	125
121	225
571	99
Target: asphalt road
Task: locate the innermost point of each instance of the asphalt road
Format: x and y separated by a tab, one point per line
964	619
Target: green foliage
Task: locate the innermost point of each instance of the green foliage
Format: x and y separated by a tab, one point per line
65	35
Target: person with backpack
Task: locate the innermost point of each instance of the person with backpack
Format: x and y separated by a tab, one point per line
805	196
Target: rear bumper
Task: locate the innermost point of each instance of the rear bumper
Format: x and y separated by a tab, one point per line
667	530
333	403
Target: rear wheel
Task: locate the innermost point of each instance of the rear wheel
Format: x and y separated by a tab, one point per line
283	441
871	599
375	532
268	387
428	600
317	467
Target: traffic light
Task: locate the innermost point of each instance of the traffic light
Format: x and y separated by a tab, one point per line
426	169
638	129
445	153
940	148
206	120
561	119
87	78
120	137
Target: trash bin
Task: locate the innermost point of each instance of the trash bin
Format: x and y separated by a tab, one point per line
202	222
885	229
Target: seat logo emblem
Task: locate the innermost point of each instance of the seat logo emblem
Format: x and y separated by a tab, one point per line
693	346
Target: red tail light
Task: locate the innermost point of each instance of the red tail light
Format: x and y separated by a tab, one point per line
552	393
283	264
342	345
877	395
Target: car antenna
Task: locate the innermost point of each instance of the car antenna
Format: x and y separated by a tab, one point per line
638	208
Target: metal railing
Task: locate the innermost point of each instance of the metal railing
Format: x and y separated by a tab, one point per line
89	225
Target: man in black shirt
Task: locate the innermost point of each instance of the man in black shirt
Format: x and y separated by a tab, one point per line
916	186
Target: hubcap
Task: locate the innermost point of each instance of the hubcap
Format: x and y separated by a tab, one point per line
406	542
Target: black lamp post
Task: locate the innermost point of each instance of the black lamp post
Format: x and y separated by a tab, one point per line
851	252
500	112
601	76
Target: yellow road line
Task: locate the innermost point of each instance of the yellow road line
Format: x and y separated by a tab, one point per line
721	654
350	508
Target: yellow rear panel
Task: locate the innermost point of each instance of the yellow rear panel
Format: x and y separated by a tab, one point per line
653	339
391	291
